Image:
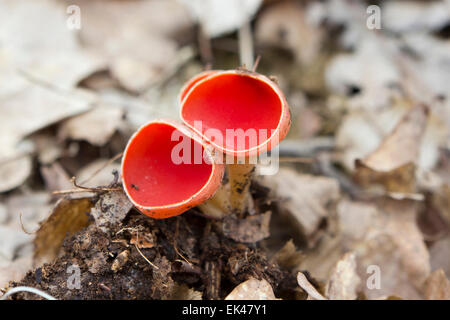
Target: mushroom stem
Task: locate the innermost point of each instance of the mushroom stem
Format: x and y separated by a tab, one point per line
219	205
240	176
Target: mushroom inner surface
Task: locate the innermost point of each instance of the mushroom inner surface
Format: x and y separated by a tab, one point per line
151	175
237	112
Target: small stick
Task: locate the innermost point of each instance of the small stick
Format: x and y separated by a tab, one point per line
117	156
23	227
135	245
175	243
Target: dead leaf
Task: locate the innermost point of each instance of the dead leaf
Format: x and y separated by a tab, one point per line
392	164
55	177
344	281
402	145
183	292
110	209
313	294
248	230
286	25
95	126
304	198
218	17
97	173
68	217
48	51
288	257
437	286
14	172
383	234
252	289
440	255
137	38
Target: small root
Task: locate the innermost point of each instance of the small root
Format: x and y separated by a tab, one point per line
27	289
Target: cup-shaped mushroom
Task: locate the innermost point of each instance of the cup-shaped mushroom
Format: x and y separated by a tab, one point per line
241	113
188	86
167	169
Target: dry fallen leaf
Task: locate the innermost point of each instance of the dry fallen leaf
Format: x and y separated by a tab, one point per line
252	289
383	234
95	126
68	217
14	172
304	198
137	38
402	145
392	164
183	292
344	281
437	286
288	257
110	209
440	255
286	25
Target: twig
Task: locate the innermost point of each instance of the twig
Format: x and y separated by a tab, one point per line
149	262
117	156
297	159
27	289
23	227
175	243
255	65
85	189
246	45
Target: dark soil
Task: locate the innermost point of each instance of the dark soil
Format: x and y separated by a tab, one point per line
188	250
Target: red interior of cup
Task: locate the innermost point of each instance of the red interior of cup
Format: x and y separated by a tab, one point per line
150	175
231	101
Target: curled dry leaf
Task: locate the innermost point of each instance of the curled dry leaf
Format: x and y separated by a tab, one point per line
288	257
97	173
381	233
392	163
312	292
440	255
49	51
344	280
68	217
286	25
402	145
437	286
303	198
110	209
137	38
92	126
14	172
252	289
183	292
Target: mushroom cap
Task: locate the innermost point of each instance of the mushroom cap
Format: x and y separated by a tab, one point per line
152	179
241	113
193	81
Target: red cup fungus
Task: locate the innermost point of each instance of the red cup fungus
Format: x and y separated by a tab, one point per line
157	185
242	114
226	102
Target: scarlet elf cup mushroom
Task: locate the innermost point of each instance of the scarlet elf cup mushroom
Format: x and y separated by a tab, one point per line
159	184
241	114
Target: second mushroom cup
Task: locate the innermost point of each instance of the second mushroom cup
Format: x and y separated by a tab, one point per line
229	119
